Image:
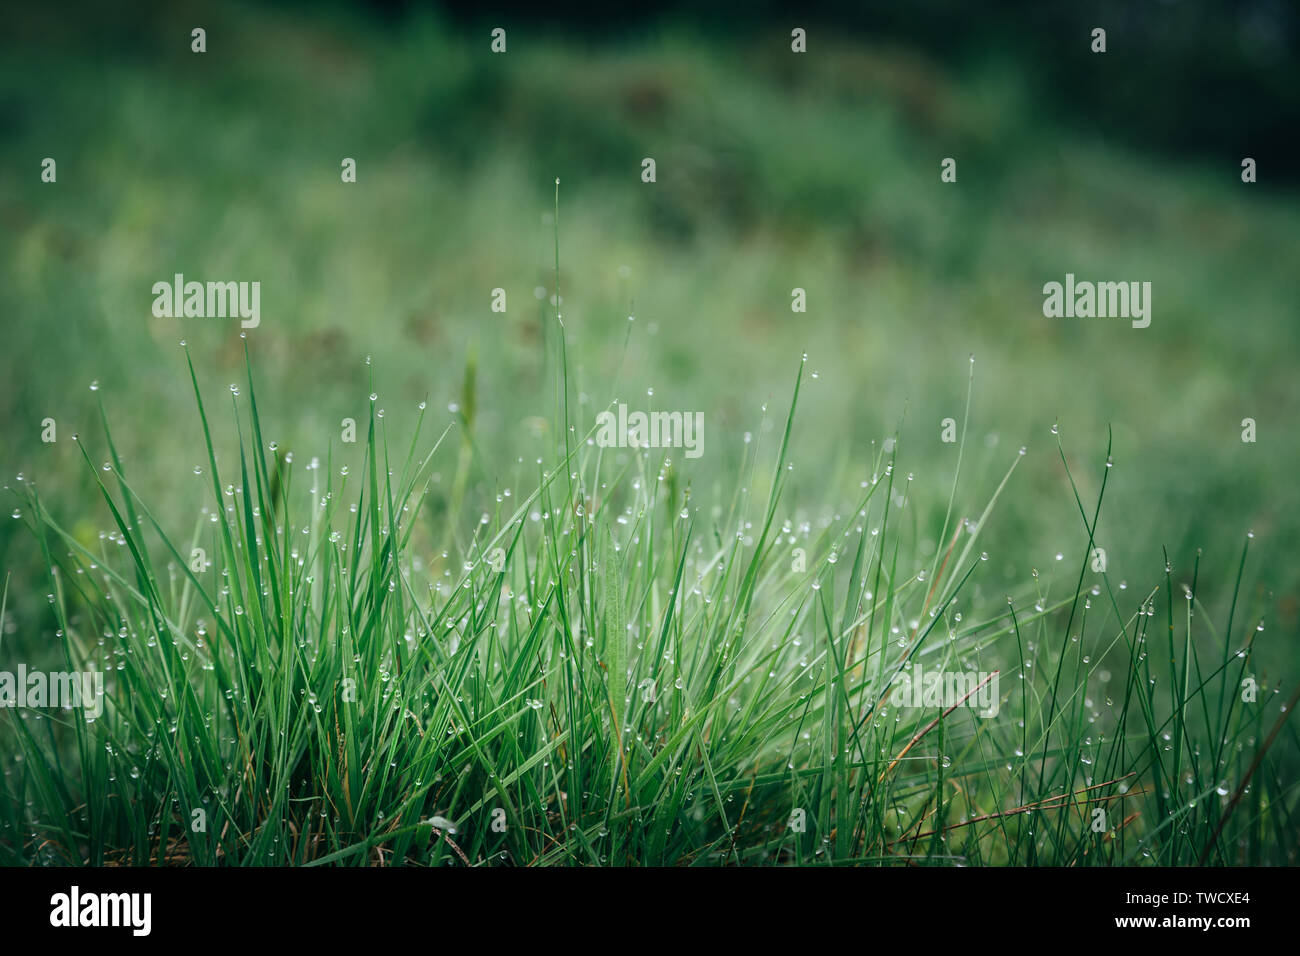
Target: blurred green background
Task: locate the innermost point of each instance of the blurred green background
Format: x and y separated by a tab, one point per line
774	171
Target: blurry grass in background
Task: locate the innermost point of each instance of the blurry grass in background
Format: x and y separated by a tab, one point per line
819	172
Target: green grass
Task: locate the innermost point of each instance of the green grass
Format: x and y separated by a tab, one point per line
327	686
481	681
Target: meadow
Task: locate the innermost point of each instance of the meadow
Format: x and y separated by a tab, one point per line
478	636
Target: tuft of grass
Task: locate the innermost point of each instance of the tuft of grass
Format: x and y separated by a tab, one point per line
605	670
615	668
